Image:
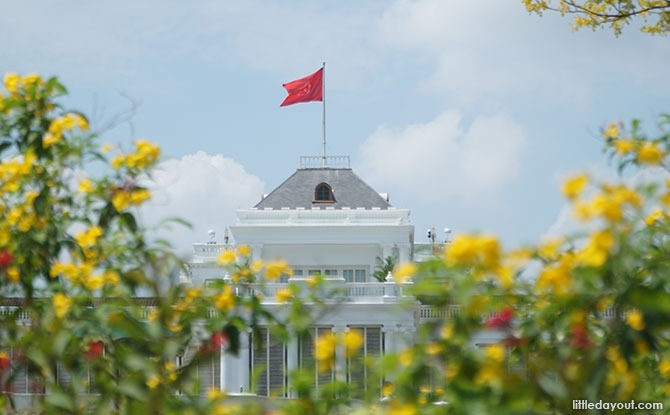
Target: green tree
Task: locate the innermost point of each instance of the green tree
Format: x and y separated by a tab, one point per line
383	267
91	309
615	14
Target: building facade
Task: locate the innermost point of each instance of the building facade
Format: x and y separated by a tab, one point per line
322	220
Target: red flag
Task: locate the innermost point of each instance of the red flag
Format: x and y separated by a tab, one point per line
309	88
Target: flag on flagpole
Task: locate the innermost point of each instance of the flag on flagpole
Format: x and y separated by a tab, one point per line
309	88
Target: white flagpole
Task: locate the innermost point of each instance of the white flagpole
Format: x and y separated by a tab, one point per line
323	94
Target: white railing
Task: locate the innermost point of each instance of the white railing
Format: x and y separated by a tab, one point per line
22	314
351	292
366	290
315	162
430	313
427	313
209	249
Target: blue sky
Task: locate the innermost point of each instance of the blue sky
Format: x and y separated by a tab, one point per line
467	113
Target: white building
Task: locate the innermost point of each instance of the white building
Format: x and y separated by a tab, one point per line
321	220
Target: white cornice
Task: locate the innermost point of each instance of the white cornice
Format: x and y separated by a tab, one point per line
251	217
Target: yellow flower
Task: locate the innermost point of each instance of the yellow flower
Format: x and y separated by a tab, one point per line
284	295
89	237
13	275
495	352
118	161
554	278
153	381
32	78
451	370
145	154
574	186
665	199
650	153
138	196
257	266
623	146
635	319
226	257
121	200
472	250
400	408
153	314
243	250
598	249
653	217
12	82
324	351
406	357
505	276
214	394
50	139
447	331
387	389
664	367
433	348
489	374
276	269
225	301
94	282
549	249
62	304
86	186
405	271
353	340
612	131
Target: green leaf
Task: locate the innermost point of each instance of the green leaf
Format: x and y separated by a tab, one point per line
128	220
233	334
552	386
132	389
59	399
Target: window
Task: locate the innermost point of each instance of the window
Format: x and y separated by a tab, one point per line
354	275
349	274
323	193
330	273
207	374
18	379
268	358
306	351
358	373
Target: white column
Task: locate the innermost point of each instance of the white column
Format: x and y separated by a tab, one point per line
292	362
389	333
404	252
256	252
243	364
340	359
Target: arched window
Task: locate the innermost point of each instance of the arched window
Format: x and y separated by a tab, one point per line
323	193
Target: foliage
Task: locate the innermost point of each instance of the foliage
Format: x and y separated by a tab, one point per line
615	14
87	297
383	267
592	325
91	311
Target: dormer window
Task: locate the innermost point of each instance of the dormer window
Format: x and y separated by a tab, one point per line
323	193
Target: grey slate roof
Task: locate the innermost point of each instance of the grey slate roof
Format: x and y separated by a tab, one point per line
298	191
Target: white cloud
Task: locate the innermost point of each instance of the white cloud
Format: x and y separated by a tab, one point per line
495	49
443	159
202	189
